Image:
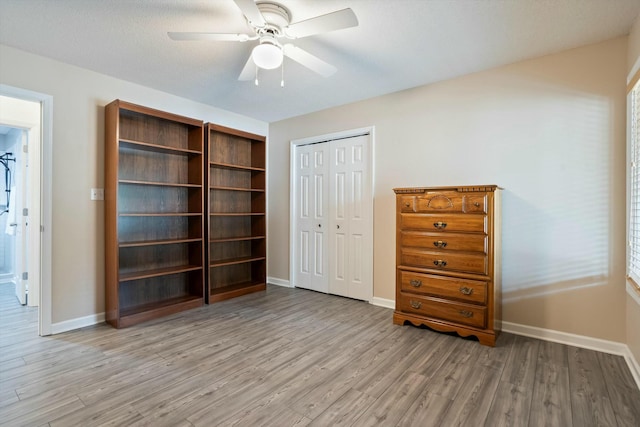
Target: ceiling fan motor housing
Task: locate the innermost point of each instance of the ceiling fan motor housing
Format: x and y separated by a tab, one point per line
276	16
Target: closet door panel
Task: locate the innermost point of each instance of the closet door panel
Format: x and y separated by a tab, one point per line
360	219
339	268
303	219
311	218
350	217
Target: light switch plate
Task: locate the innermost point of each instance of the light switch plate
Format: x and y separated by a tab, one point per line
97	194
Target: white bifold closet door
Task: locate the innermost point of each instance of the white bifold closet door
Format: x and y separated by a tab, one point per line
334	218
350	219
310	255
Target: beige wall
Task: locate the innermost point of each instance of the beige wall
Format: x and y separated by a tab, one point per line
633	52
551	131
79	96
633	306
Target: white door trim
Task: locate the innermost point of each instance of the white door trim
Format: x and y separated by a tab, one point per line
45	214
292	181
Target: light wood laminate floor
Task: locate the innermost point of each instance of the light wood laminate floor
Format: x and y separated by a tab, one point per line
289	357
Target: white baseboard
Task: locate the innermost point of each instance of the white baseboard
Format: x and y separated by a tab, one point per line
279	282
77	323
581	341
634	367
383	302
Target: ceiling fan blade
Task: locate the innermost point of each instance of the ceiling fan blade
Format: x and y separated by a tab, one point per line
311	62
221	37
249	71
251	11
337	20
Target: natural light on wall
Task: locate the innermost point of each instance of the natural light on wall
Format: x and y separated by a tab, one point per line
563	231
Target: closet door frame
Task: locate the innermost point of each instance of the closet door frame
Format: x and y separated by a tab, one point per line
370	131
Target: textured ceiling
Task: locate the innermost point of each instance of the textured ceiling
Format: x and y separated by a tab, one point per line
399	44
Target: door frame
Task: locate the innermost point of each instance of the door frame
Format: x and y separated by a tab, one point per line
370	131
43	218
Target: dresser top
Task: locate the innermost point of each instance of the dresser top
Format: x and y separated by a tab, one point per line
460	188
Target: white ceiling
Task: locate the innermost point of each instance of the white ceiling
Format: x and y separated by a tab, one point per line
399	44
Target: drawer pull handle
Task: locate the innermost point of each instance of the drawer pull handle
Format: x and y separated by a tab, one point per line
466	291
415	283
440	244
440	224
440	263
466	313
407	204
415	304
476	204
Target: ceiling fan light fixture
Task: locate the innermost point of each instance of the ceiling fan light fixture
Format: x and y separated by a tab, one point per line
267	55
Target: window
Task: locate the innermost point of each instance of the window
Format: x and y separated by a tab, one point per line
633	266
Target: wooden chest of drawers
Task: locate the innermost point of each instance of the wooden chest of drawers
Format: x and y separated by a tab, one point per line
448	260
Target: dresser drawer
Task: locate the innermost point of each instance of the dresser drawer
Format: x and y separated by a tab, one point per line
474	203
466	314
439	201
444	241
407	203
443	222
473	291
451	201
442	260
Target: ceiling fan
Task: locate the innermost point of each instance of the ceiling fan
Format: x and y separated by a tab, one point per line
271	23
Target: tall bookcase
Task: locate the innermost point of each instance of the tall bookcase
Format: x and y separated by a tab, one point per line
154	216
237	241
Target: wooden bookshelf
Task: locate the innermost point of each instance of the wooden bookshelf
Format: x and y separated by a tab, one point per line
154	213
236	201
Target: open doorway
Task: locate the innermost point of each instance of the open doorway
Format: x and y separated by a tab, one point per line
25	138
13	237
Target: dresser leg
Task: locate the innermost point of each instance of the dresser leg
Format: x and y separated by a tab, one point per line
488	340
398	320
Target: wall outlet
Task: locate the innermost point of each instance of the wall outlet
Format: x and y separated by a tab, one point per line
97	194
